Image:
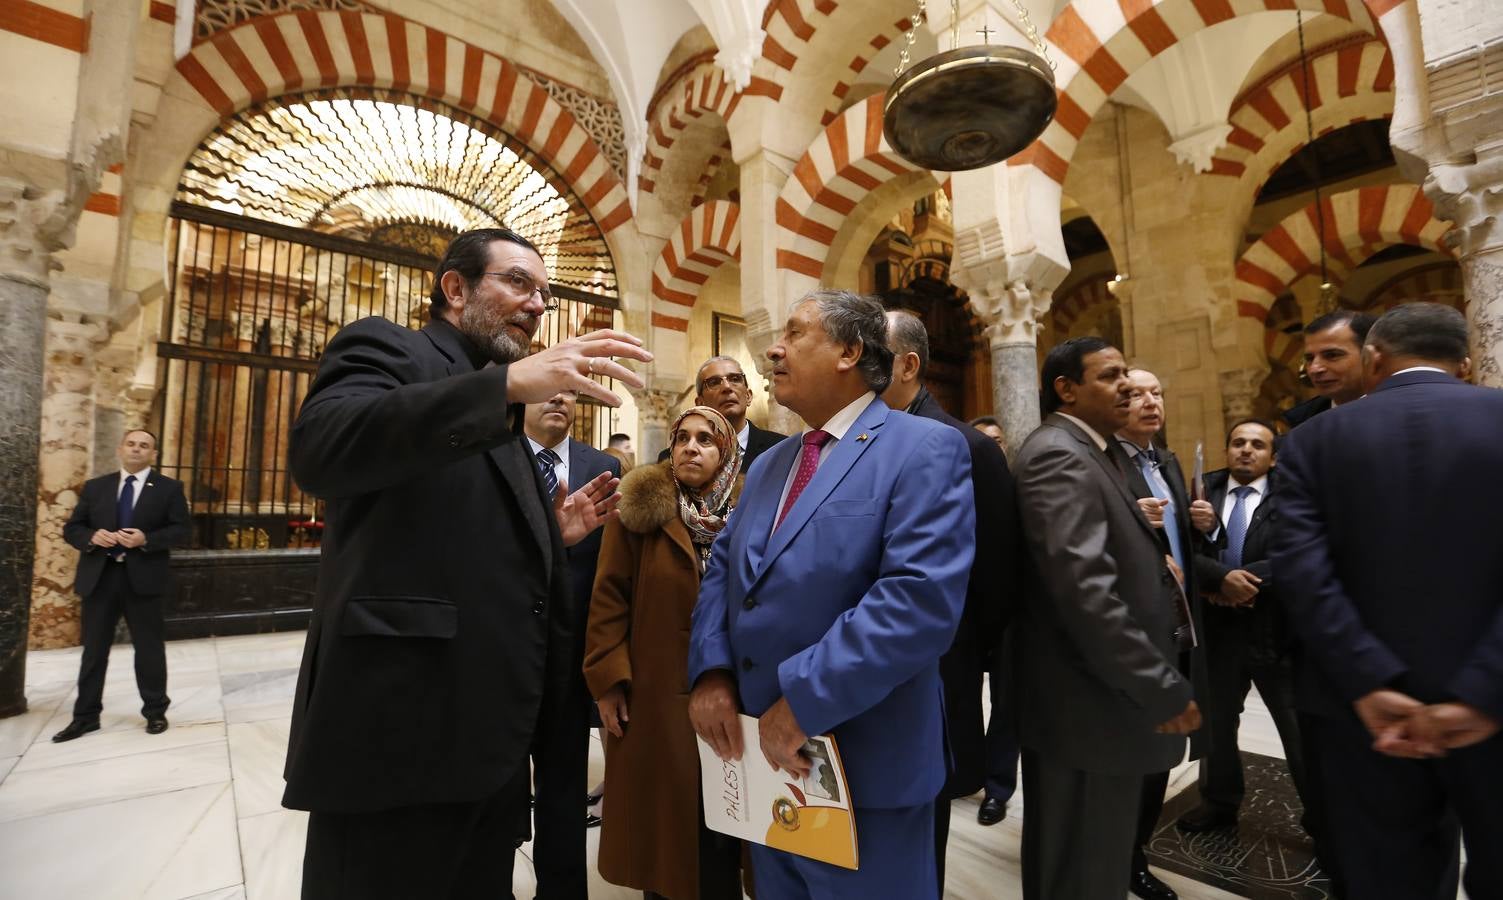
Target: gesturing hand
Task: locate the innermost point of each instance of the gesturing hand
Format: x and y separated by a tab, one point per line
586	509
568	365
1153	510
1184	723
1203	516
714	711
782	739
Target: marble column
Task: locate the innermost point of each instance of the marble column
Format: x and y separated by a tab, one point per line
1239	392
654	415
67	441
1473	200
1012	313
24	264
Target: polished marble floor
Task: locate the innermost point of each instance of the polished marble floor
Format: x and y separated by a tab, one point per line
195	812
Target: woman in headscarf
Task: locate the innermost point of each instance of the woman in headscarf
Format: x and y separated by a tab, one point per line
637	665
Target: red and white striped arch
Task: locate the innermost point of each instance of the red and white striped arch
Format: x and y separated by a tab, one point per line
307	50
702	91
789	25
1358	223
708	237
1352	82
1097	44
848	161
1085	296
858	65
1434	283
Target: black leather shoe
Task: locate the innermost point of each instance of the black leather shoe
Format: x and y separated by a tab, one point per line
1205	818
156	725
591	821
76	729
1146	885
592	799
992	811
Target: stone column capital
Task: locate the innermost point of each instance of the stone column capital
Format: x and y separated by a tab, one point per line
655	405
1239	390
28	237
1011	311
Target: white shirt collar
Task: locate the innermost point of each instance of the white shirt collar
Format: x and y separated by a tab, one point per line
1259	485
744	434
561	448
140	476
1421	369
1091	432
842	421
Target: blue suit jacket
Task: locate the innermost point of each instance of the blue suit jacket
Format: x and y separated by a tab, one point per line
848	606
1387	556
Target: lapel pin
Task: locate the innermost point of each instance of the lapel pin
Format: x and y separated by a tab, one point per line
860	437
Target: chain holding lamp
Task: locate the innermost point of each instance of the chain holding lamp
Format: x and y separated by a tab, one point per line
969	107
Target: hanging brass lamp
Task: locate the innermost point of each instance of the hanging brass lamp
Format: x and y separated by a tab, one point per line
972	106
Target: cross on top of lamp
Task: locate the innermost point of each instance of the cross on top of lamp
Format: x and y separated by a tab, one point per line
969	107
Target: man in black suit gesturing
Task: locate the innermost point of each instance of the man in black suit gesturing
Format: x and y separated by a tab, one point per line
124	523
722	386
443	631
561	757
1246	633
1392	582
999	546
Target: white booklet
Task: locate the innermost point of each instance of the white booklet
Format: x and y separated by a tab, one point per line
750	800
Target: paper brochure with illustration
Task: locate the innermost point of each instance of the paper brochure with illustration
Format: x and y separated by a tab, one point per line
751	800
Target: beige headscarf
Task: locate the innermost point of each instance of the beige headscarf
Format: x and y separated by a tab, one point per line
704	510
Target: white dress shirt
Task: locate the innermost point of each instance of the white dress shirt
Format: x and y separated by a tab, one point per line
136	485
744	434
561	450
1421	369
839	424
1259	487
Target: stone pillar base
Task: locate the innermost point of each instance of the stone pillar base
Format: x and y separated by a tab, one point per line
1015	391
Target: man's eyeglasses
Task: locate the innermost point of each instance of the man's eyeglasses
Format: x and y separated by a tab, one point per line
521	286
715	381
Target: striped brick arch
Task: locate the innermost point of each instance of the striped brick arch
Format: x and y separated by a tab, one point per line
307	50
1358	223
1438	282
858	64
1068	308
1096	44
700	92
707	238
1352	82
848	161
789	25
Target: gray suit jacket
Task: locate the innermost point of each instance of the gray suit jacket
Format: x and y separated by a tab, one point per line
1093	643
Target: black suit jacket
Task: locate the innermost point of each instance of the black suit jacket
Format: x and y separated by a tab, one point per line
443	616
1386	553
1264	622
585	463
161	513
758	441
989	596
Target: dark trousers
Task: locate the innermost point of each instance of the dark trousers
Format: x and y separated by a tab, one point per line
1078	830
1394	822
1151	806
1234	666
1001	745
111	598
454	851
1316	820
560	775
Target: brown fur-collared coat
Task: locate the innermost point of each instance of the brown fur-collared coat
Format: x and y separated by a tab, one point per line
645	588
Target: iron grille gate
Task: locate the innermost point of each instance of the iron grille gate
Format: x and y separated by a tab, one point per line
251	307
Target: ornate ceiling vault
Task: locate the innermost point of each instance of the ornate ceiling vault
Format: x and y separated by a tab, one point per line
391	167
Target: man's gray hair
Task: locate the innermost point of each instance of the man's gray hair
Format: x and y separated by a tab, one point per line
906	334
1428	331
851	318
699	377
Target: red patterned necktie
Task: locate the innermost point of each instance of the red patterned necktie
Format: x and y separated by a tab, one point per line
814	441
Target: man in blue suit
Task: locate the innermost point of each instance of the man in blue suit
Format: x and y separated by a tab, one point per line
832	594
1392	576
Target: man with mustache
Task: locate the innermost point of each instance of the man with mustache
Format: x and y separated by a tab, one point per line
1100	700
442	632
722	386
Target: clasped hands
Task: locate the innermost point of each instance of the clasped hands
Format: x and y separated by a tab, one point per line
714	712
1404	727
127	538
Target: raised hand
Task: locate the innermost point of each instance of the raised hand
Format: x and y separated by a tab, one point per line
568	365
586	509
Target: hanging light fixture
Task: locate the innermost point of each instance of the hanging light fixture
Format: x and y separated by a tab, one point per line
1124	199
969	107
1327	301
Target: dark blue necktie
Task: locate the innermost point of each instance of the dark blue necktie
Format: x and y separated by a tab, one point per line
125	508
1236	528
547	459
